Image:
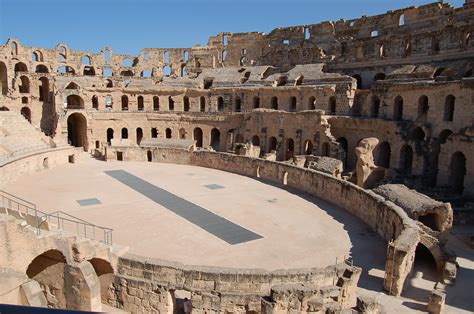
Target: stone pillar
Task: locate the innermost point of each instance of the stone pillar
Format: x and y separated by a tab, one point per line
436	302
33	294
82	287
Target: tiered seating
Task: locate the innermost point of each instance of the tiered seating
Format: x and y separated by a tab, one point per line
18	137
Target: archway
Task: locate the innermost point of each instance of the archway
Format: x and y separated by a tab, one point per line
3	79
43	89
325	149
272	144
255	140
197	136
444	135
398	108
149	156
74	102
290	148
343	147
423	108
26	112
457	172
77	130
359	81
308	147
105	273
382	153
406	159
110	135
139	135
375	108
124	133
215	139
168	133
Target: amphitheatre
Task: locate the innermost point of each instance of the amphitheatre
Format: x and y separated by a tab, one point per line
323	168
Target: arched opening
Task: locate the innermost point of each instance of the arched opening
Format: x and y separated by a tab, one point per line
181	302
285	178
168	133
197	136
255	140
139	133
74	102
36	56
77	130
293	102
308	147
238	104
24	100
183	71
343	147
202	104
95	102
154	132
140	103
167	70
109	84
417	134
220	104
272	144
97	144
312	103
21	67
149	156
3	108
88	70
423	108
3	79
449	103
126	73
379	77
72	85
43	89
215	139
105	273
444	135
382	154
26	113
430	220
256	102
146	73
375	108
358	81
182	133
40	68
457	172
44	261
110	135
24	85
156	103
401	20
406	159
186	103
124	133
274	103
332	105
170	104
325	149
398	109
290	148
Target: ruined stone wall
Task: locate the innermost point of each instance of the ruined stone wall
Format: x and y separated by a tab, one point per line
149	285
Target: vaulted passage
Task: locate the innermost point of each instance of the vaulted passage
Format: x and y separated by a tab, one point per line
77	130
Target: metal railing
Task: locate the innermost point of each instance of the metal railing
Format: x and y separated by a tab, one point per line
61	220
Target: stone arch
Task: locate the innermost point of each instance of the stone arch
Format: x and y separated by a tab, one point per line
3	79
312	103
156	103
444	135
44	261
95	102
449	103
139	135
375	107
124	133
25	85
382	154
417	134
215	139
256	102
308	147
293	103
202	104
220	103
406	159
110	135
197	136
26	113
105	273
379	77
274	103
43	89
77	130
186	105
170	103
343	145
21	67
149	156
168	133
423	108
332	105
358	79
255	140
140	103
457	171
285	178
74	102
398	108
238	104
272	144
290	148
41	68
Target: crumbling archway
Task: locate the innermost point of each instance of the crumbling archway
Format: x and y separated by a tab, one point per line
215	139
105	273
77	130
382	154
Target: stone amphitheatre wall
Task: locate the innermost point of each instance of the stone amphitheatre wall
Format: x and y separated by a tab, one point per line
388	220
148	285
16	168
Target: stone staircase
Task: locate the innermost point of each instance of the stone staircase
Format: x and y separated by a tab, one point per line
18	137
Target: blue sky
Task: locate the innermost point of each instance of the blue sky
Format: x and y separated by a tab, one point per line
130	25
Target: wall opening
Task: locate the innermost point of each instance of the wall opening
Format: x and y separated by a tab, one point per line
139	133
312	103
382	153
449	103
406	159
110	135
457	172
375	108
170	104
398	109
343	147
124	103
105	273
168	133
220	104
120	156
197	136
285	178
308	147
255	140
272	144
26	113
423	108
124	133
77	130
290	148
186	105
156	103
149	156
215	139
332	105
140	103
274	103
293	104
202	104
256	102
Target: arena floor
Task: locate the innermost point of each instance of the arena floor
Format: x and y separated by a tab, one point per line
202	216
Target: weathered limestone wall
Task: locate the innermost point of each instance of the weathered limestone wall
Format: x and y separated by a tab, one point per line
19	167
148	285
